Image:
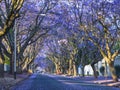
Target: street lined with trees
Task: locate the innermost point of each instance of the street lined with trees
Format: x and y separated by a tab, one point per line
70	34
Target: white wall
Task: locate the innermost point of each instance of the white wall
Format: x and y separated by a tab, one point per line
88	70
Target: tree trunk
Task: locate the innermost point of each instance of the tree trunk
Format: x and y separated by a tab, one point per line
70	67
63	70
82	68
94	71
2	59
57	68
28	67
105	71
11	64
1	70
113	71
74	69
24	65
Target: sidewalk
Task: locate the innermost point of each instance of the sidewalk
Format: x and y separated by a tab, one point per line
108	83
104	81
8	80
100	80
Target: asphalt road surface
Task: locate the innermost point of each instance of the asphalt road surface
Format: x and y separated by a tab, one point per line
54	82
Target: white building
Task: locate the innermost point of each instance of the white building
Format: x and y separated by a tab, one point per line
87	70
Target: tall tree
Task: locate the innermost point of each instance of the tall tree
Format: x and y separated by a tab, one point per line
9	12
33	28
101	29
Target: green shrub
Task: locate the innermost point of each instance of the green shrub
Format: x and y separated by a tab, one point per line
102	70
117	68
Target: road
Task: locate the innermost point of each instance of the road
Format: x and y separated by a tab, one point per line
54	82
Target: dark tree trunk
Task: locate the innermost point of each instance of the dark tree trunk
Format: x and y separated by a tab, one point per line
94	71
1	64
63	70
1	70
11	65
83	71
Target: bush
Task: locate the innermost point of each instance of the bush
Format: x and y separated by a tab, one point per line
117	68
102	70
